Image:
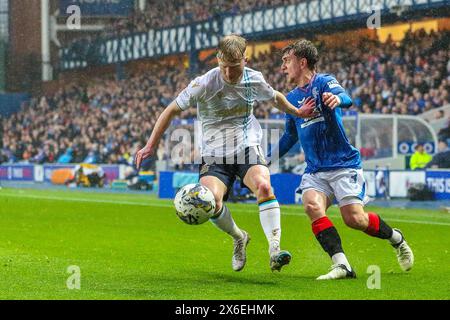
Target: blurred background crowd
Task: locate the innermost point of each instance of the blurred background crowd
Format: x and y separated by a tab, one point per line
105	120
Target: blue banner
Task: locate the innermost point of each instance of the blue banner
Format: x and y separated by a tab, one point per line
30	172
166	189
17	172
99	7
439	182
284	186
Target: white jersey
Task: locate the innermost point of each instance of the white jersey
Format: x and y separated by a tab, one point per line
225	111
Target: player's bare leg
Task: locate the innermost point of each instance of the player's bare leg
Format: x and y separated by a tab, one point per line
224	221
371	223
316	203
258	180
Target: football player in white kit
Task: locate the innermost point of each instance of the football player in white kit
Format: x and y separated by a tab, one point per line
231	138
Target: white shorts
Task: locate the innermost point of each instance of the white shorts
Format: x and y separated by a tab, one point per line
346	186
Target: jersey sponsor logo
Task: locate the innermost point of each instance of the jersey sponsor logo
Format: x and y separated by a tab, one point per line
311	121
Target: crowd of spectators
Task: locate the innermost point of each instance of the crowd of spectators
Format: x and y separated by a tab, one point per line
106	120
184	12
103	122
406	78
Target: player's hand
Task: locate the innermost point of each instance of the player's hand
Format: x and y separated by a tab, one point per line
144	153
330	100
308	109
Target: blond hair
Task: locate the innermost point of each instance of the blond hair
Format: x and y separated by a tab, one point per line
232	48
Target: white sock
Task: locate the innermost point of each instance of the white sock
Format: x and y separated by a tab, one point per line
269	216
396	237
226	223
340	258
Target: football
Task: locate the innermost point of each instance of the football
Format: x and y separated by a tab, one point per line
194	204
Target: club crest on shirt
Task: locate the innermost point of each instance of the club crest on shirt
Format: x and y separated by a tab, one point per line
315	92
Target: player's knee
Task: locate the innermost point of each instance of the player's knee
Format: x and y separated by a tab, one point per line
356	221
312	208
264	189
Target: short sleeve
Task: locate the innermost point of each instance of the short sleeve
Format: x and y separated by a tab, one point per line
330	84
264	91
191	94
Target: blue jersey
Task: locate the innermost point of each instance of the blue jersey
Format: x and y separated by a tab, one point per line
322	137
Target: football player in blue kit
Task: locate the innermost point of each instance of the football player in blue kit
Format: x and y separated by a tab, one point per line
333	171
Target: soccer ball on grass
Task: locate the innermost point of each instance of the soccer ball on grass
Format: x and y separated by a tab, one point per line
194	204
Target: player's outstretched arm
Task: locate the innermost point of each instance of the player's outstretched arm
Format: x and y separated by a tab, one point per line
334	95
306	111
161	126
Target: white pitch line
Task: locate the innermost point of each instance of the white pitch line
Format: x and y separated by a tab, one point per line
164	205
29	196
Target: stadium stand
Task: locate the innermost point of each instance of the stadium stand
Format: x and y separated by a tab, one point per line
409	77
185	12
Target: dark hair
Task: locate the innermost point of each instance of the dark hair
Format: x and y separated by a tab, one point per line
304	49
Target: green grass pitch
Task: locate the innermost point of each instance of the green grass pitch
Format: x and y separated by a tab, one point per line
131	246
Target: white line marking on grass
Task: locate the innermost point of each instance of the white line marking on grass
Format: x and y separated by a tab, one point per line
81	200
165	205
